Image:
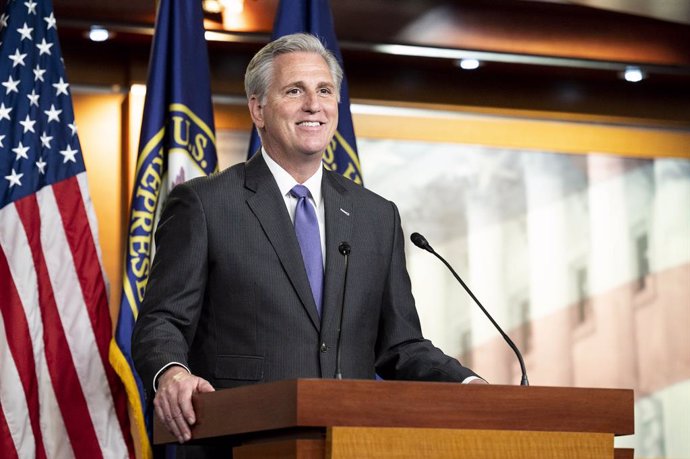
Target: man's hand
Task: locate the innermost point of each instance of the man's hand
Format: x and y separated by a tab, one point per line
173	401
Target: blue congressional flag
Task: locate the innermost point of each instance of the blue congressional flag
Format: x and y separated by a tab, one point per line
314	17
59	396
177	143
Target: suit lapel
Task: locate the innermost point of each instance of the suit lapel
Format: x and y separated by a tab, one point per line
269	208
339	214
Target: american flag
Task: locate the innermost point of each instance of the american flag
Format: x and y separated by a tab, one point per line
59	396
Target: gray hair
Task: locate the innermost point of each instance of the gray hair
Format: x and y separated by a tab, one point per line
257	78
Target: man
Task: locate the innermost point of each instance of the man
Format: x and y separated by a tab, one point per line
239	295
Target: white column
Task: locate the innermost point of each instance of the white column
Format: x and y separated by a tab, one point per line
670	239
605	356
664	347
430	288
492	358
547	229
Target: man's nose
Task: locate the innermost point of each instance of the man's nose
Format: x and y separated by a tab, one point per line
311	102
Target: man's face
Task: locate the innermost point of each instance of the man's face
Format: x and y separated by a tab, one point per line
300	113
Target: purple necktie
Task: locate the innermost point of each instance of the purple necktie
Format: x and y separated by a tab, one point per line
307	229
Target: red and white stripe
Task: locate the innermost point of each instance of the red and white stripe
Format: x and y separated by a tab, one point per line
59	396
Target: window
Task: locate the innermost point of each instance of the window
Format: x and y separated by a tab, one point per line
642	254
525	326
466	347
582	293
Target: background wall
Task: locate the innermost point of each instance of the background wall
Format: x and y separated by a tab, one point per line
570	253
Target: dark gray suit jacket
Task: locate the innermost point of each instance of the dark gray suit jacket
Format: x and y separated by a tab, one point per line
228	294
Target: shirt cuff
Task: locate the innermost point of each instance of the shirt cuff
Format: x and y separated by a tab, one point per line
155	378
469	379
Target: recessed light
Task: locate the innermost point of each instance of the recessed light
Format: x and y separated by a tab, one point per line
469	64
98	33
634	74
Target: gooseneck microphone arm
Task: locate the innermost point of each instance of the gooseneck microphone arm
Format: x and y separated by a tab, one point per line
421	242
344	249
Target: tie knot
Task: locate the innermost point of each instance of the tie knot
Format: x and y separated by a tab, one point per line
300	191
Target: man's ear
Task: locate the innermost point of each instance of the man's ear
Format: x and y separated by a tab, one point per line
256	111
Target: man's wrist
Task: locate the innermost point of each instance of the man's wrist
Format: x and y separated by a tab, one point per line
163	370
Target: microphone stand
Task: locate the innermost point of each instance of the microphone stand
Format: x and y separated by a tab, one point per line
344	249
421	242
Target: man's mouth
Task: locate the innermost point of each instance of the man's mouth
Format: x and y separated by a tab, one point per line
309	123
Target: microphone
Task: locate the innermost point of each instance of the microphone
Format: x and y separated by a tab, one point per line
344	249
421	242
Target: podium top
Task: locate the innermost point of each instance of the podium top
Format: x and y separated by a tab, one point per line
309	403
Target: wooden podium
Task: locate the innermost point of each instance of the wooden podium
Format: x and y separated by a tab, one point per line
359	419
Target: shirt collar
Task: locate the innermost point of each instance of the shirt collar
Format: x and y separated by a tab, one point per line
286	182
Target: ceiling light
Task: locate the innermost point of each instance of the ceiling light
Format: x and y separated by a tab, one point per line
98	33
634	74
469	64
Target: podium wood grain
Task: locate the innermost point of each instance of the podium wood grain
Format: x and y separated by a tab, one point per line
315	403
414	443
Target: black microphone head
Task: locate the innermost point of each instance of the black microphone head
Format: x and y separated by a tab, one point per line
344	248
421	242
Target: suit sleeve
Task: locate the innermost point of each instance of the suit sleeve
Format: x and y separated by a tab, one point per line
174	295
402	352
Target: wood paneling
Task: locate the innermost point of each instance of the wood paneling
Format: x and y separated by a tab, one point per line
529	28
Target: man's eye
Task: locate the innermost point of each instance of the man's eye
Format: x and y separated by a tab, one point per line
293	91
326	91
